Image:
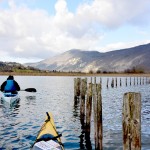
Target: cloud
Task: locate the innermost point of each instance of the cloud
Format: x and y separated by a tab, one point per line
36	33
26	32
122	45
22	28
113	13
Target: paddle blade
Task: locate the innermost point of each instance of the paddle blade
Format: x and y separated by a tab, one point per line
30	90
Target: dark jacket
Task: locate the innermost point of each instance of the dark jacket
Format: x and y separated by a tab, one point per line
10	85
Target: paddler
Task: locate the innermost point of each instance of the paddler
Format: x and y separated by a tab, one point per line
10	85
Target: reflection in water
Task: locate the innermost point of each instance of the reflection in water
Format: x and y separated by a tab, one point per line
76	108
12	106
14	127
9	113
30	100
88	141
85	142
10	110
31	97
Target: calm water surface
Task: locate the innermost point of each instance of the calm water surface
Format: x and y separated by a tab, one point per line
19	125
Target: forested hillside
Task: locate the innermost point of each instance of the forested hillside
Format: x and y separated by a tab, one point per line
16	67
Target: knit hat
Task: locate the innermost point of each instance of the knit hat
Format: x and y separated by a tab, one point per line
10	78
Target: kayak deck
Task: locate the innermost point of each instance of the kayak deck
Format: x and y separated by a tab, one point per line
10	98
48	136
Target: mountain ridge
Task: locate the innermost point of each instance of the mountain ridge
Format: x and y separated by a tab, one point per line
85	61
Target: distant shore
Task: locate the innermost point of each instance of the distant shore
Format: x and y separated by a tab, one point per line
74	74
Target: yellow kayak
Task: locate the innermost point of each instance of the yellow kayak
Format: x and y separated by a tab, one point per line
48	138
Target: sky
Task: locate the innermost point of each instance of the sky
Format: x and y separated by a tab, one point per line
34	30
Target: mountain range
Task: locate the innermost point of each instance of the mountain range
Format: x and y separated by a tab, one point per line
85	61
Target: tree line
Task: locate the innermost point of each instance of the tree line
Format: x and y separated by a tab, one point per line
17	67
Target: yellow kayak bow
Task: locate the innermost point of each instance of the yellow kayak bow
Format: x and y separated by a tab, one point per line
48	137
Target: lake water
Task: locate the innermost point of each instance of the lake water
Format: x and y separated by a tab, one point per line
19	125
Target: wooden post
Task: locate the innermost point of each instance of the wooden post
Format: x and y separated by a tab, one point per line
97	107
140	81
126	82
146	80
134	80
116	82
130	81
100	80
75	88
120	82
107	82
78	86
88	116
112	83
95	112
99	119
131	121
88	107
83	93
83	87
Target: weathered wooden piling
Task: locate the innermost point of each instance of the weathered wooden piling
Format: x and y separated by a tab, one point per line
97	107
107	82
88	107
77	83
99	119
95	112
146	81
101	81
75	91
78	86
131	121
120	82
126	81
112	83
140	81
143	80
130	81
134	80
116	82
82	102
83	87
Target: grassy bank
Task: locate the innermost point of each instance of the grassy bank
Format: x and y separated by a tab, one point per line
71	74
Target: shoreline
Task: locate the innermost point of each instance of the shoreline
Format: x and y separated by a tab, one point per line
76	74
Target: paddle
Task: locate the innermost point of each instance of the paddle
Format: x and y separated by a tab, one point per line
29	90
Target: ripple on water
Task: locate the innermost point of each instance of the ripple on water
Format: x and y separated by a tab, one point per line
20	124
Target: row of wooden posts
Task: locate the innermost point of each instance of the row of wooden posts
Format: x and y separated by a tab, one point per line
132	81
131	113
